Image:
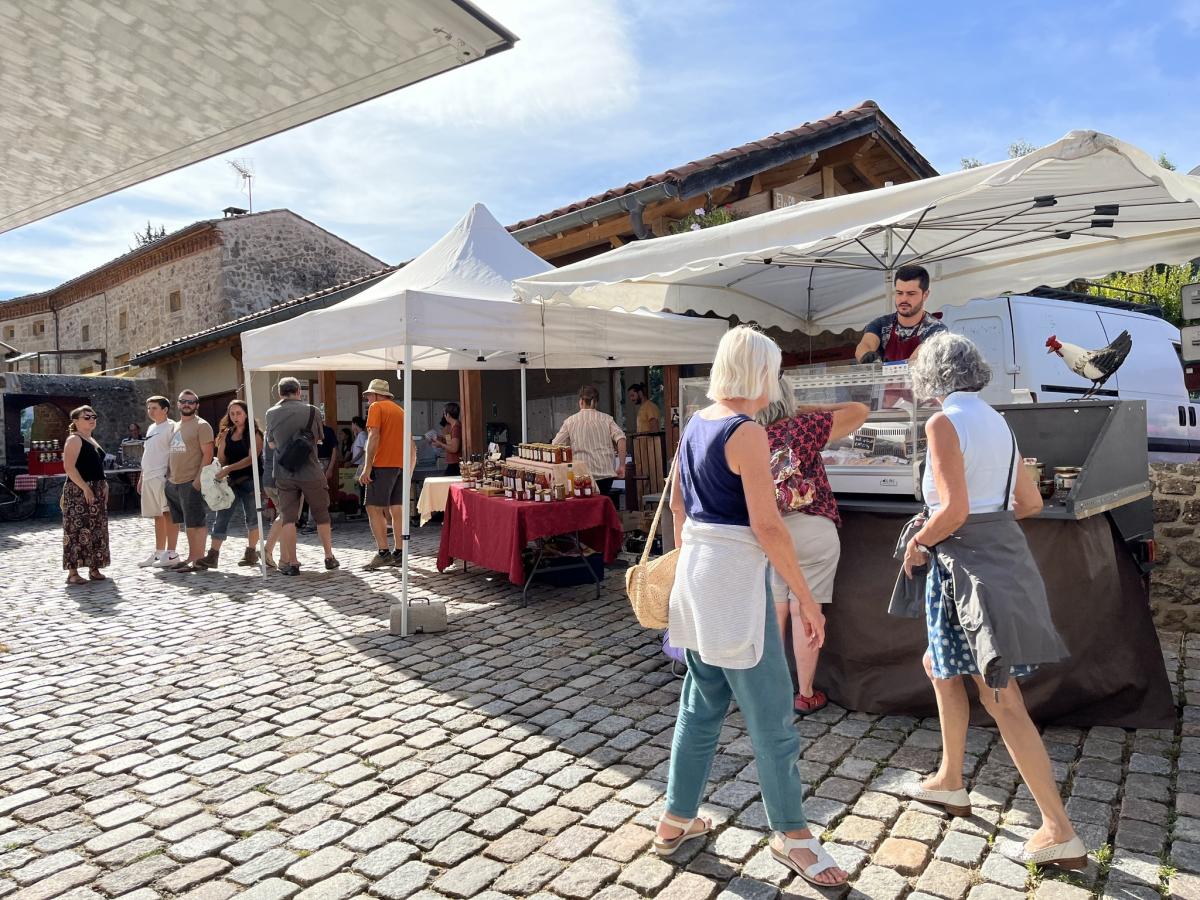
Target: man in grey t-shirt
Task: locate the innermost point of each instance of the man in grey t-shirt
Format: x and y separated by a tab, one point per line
287	418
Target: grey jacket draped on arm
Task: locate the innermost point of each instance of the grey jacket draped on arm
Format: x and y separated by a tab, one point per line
999	594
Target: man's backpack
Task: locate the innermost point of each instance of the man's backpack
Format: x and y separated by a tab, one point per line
299	448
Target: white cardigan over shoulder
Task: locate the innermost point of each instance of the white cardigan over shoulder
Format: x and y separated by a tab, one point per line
719	600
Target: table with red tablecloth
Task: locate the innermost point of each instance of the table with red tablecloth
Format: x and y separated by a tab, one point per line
493	531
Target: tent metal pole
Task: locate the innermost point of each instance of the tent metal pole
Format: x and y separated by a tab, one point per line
888	262
254	474
407	493
524	407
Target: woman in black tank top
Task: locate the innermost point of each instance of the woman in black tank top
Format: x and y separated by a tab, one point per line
84	501
233	453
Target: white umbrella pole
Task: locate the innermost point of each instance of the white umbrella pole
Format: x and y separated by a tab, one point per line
887	274
406	494
254	474
524	408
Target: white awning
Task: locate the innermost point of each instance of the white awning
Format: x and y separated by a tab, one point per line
95	97
1082	207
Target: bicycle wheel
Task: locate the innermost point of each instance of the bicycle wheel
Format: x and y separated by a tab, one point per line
17	507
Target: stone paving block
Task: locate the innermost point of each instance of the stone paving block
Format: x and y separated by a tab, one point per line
1142	837
748	889
584	878
1000	870
1184	887
625	843
573	843
140	874
403	882
454	849
918	826
689	886
878	883
469	878
529	875
339	887
907	857
647	874
823	812
195	873
200	845
1186	856
515	846
874	805
945	880
1060	890
994	892
43	867
264	865
736	843
961	848
866	834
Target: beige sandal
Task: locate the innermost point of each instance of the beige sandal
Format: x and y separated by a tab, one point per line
667	846
782	846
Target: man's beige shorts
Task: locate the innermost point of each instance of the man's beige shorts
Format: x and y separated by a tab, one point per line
154	497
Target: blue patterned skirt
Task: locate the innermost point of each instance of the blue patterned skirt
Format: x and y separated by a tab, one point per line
948	647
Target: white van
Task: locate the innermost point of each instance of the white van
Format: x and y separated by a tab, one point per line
1011	333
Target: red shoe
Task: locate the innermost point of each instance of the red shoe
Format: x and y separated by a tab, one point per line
806	705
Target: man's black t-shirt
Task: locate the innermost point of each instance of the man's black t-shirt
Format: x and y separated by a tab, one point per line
328	444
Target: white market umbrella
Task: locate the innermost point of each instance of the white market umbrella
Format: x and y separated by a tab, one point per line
1082	207
453	308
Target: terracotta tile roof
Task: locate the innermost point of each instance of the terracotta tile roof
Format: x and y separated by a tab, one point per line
678	174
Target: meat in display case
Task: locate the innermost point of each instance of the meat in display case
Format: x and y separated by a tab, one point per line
884	455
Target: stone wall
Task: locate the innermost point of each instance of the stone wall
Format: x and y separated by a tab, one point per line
278	255
1175	584
117	401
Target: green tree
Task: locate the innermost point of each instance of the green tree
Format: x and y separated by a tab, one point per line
149	236
1158	285
1164	162
971	162
1017	149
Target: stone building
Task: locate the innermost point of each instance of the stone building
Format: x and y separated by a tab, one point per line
200	276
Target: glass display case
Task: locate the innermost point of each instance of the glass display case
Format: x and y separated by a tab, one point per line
884	455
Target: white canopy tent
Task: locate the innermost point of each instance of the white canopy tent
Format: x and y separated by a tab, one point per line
452	308
1082	207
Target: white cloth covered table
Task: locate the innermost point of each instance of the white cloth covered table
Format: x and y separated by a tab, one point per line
434	493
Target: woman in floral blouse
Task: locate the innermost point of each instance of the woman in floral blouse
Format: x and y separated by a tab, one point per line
810	513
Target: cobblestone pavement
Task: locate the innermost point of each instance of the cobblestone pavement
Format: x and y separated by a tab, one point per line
215	734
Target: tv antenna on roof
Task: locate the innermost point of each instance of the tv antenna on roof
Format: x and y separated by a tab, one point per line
245	170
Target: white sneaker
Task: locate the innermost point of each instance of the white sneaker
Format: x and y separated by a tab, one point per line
150	560
165	560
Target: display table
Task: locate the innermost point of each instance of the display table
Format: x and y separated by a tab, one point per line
434	493
492	531
871	661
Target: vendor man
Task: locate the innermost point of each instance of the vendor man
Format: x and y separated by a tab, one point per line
895	337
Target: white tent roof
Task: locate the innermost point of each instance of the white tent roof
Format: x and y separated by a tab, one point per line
1083	207
454	304
106	95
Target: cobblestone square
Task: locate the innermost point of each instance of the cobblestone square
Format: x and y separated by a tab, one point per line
216	734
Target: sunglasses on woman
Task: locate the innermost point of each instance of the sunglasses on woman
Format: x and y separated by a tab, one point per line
89	418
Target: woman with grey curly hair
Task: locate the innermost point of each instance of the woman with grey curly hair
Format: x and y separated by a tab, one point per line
977	569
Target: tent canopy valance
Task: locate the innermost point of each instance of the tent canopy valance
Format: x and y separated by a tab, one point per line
1082	207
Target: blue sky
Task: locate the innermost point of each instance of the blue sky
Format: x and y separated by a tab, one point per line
600	93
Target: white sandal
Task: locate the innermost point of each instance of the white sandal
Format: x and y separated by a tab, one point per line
667	846
782	852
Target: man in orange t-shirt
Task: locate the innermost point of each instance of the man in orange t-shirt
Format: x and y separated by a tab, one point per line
383	468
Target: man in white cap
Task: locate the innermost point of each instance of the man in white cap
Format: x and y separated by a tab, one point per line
383	470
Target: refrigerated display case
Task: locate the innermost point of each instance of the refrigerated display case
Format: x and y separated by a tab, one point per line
883	457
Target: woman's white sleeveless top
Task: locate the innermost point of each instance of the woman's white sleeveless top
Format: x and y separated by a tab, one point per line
987	449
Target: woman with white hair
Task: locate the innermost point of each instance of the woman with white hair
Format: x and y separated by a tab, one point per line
810	512
729	531
977	571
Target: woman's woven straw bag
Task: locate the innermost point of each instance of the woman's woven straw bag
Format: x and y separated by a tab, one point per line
649	584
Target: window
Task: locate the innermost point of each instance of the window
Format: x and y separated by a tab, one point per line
123	321
10	332
175	301
85	334
39	327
